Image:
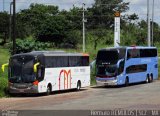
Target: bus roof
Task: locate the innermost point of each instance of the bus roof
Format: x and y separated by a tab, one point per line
128	47
50	53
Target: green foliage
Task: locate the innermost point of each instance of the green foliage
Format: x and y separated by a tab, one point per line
54	29
3	87
133	17
101	14
28	45
4	25
47	23
4	19
4	56
74	16
72	39
23	29
100	36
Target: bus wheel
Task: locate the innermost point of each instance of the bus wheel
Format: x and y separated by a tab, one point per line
151	78
126	82
49	89
78	86
148	79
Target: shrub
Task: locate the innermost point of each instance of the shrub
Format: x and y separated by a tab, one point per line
3	87
28	45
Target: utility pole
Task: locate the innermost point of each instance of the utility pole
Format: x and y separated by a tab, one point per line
14	25
10	21
84	21
152	22
149	25
3	6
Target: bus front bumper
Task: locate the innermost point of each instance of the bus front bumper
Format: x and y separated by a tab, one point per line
32	89
101	82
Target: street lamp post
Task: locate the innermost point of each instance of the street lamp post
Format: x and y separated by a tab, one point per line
10	20
84	21
14	24
3	6
149	26
152	22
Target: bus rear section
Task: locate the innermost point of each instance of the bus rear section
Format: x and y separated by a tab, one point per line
141	64
66	71
125	65
44	72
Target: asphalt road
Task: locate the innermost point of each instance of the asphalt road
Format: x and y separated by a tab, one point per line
139	96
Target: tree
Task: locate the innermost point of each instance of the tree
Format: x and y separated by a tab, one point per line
74	16
54	29
23	29
98	36
35	16
74	37
102	12
133	17
46	23
4	26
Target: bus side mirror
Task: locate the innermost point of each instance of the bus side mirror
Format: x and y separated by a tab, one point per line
35	67
3	67
121	66
118	63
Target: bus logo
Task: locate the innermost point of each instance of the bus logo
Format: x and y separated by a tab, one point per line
66	76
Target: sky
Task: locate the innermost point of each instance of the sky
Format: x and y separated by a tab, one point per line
136	6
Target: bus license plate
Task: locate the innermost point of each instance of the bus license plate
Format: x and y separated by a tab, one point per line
21	90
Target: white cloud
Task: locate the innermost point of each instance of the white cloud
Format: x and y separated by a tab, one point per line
140	7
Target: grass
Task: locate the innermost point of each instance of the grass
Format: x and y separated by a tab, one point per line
4	56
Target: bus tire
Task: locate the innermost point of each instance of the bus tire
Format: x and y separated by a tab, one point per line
126	81
78	85
49	89
151	78
148	79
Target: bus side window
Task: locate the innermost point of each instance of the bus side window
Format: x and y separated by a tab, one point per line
133	53
85	61
75	61
128	54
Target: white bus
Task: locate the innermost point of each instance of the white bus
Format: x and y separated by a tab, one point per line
44	72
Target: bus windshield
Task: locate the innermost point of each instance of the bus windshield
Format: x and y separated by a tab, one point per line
107	57
107	70
21	70
107	63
